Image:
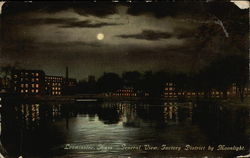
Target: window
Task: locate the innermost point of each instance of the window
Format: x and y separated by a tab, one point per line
37	85
22	85
26	91
26	85
36	90
37	74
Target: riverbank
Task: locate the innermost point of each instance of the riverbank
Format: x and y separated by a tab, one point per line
97	97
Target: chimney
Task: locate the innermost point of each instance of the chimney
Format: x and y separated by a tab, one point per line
67	73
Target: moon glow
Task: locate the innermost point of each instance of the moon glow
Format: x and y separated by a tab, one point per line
100	36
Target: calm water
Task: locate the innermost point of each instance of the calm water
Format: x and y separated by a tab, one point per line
124	129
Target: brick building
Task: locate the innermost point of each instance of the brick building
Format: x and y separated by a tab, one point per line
28	82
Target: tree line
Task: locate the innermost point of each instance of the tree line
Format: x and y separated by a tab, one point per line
218	75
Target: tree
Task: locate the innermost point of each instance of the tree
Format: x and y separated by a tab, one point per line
131	79
224	71
109	82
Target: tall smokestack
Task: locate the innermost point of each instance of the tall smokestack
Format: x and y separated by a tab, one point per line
67	73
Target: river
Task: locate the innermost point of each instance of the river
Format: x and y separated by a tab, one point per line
125	129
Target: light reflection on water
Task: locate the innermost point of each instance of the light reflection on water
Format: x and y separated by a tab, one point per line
43	130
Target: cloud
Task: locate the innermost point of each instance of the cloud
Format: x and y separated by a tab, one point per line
166	9
61	22
40	21
82	8
86	23
148	35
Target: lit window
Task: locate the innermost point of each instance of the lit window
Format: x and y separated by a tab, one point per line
26	85
36	90
33	85
22	85
37	79
37	74
26	91
32	90
21	90
37	85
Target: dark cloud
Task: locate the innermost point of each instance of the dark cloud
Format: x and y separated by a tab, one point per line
196	9
61	22
151	35
39	21
166	9
83	8
86	23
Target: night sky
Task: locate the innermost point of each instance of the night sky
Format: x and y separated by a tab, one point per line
175	37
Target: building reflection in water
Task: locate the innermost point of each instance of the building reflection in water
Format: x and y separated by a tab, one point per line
208	121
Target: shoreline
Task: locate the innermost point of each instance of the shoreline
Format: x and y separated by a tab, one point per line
100	98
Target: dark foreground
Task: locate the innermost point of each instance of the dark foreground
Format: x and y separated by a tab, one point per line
126	129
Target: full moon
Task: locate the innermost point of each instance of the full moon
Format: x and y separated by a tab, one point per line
100	36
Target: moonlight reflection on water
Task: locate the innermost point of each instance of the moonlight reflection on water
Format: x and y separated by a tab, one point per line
104	129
